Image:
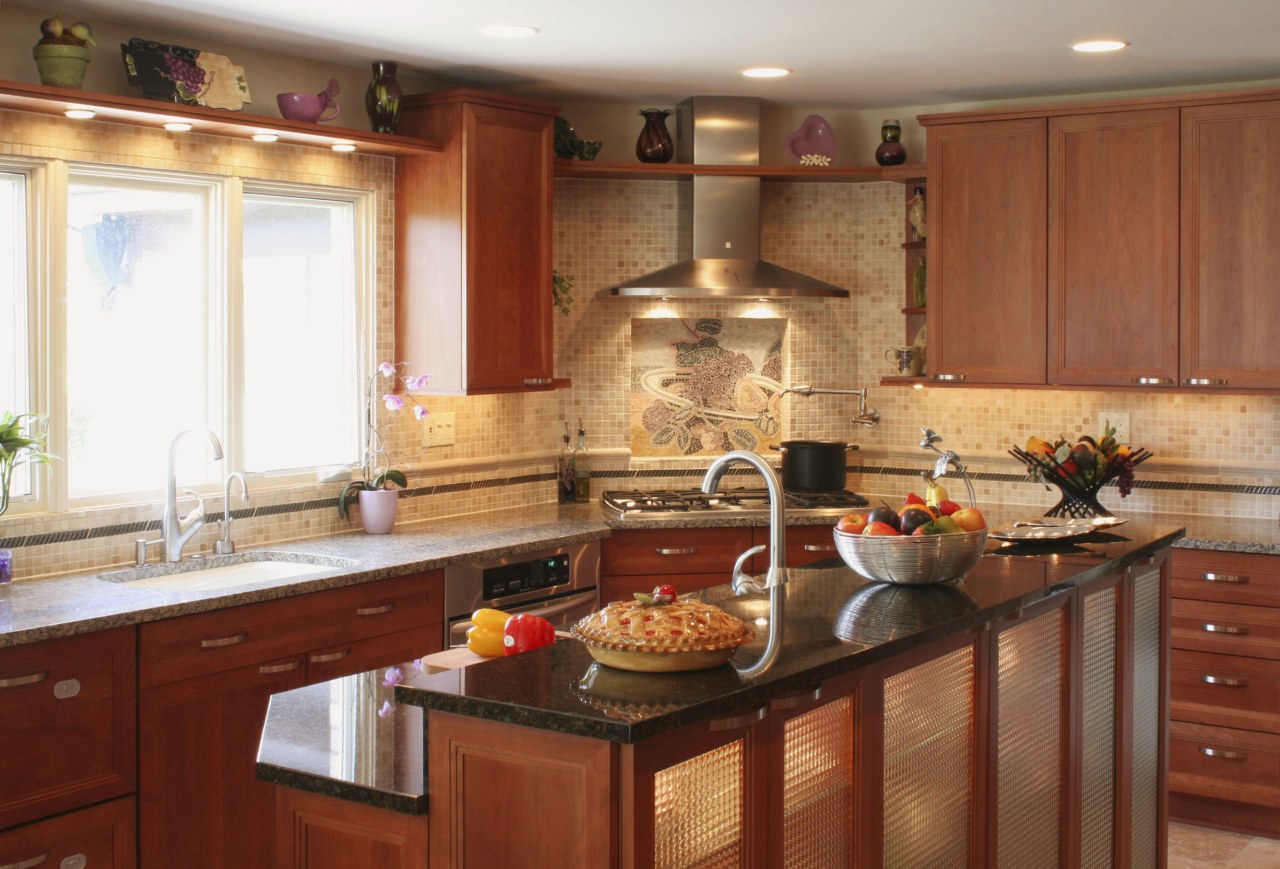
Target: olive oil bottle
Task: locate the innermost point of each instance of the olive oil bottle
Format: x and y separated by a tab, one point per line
565	471
581	468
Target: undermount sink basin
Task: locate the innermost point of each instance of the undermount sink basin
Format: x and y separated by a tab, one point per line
226	571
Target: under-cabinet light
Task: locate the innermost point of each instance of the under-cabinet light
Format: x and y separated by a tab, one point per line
265	137
1096	46
344	146
917	386
177	126
79	114
766	72
510	31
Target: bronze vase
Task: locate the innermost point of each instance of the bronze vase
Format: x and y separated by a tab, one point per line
654	144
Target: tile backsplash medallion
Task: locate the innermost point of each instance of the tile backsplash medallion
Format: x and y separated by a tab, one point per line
608	231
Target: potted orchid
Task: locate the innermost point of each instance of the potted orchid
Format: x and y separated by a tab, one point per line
376	486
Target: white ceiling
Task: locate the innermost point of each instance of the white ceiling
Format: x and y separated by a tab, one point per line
852	54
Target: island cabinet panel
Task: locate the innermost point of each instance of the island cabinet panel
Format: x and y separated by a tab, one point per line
206	681
1096	718
1144	748
99	837
1230	186
1225	706
68	712
986	251
504	795
319	832
1113	248
473	243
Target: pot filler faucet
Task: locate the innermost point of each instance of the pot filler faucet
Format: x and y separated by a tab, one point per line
777	574
866	416
175	529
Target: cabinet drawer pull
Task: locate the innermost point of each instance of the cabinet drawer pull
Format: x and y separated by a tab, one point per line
818	547
1223	753
1238	630
376	610
680	550
948	378
26	864
794	700
537	381
16	681
266	669
1237	579
1153	381
235	640
331	656
1224	681
735	722
1205	381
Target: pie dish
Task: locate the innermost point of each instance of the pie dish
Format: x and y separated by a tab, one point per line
662	637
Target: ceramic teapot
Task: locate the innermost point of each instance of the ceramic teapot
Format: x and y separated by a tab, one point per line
311	108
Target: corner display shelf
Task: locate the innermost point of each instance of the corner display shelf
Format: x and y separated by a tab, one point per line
627	171
142	112
910	176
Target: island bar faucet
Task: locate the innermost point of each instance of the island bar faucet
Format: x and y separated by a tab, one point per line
777	574
176	530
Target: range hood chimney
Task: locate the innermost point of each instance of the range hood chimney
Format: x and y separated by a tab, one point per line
723	258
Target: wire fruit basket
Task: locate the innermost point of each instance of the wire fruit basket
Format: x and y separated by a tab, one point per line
1080	493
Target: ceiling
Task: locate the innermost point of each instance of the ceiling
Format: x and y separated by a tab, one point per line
851	54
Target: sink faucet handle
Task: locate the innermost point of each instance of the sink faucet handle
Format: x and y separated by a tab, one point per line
742	584
198	512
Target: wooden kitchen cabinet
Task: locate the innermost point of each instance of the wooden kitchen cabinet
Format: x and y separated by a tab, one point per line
99	837
69	716
1225	708
986	251
319	832
691	559
473	242
1230	310
206	681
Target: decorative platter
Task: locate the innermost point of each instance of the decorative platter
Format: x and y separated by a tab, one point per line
1053	528
184	75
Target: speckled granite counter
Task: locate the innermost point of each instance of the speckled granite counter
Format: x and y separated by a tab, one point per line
834	622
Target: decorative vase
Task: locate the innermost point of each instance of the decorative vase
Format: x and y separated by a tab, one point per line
61	65
654	144
382	99
891	152
378	510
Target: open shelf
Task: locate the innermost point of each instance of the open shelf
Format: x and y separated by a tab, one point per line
140	111
656	171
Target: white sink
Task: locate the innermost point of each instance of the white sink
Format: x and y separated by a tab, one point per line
223	572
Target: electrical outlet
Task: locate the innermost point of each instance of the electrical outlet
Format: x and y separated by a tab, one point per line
438	431
1119	420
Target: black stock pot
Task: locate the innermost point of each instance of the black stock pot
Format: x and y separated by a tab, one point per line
814	466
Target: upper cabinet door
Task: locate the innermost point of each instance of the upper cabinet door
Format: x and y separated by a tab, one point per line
1230	254
986	251
1113	248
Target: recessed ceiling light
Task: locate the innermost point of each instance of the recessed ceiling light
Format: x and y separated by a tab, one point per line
177	126
343	146
265	137
1095	46
510	31
79	114
766	72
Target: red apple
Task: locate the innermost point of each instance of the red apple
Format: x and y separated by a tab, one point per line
880	529
852	523
947	507
969	519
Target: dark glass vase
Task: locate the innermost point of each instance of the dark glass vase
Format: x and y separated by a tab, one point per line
891	152
382	99
654	144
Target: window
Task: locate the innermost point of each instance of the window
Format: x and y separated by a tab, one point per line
15	365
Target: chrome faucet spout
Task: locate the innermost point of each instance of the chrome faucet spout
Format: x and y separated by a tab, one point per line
175	529
777	574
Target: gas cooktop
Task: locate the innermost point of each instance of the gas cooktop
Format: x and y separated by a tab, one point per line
623	504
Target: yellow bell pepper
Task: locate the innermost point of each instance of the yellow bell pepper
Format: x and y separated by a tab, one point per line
484	637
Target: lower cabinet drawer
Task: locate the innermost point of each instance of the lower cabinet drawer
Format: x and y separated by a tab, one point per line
1227	764
1226	690
99	837
1228	577
674	551
1231	629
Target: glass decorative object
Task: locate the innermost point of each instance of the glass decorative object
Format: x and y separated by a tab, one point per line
382	99
891	152
654	144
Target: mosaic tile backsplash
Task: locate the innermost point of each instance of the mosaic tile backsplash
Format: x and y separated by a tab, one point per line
1208	448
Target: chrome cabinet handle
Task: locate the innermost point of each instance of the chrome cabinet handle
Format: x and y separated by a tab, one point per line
794	700
818	547
537	381
1224	681
331	656
224	641
28	863
948	378
376	610
1238	630
1223	753
16	681
1237	579
682	550
267	669
1205	381
734	722
1153	381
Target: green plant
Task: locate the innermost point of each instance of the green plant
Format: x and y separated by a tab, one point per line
561	292
16	449
373	475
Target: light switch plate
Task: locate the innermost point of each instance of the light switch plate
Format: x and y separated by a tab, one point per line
438	430
1117	418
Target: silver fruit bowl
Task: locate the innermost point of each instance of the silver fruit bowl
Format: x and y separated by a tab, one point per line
906	560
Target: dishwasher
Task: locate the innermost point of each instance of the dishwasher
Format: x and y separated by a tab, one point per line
559	584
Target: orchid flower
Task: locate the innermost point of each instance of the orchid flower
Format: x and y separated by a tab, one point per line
386	710
386	369
393	401
394	676
417	382
420	412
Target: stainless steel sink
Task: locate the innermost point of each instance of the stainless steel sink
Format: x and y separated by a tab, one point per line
228	571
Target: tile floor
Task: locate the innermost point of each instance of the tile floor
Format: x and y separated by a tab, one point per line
1205	848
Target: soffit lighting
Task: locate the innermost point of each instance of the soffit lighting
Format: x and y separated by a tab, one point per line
510	31
177	126
79	114
1098	46
265	137
766	72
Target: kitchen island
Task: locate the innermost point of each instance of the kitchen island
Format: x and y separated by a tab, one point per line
895	726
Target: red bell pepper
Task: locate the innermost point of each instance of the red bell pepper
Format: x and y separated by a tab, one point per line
523	632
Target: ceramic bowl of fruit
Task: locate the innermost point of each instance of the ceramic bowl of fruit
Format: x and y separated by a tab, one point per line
920	544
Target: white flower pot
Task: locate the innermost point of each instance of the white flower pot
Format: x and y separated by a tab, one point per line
378	510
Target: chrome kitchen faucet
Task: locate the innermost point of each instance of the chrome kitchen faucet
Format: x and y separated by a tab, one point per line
175	529
777	574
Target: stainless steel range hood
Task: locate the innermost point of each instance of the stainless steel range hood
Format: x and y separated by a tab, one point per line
722	255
